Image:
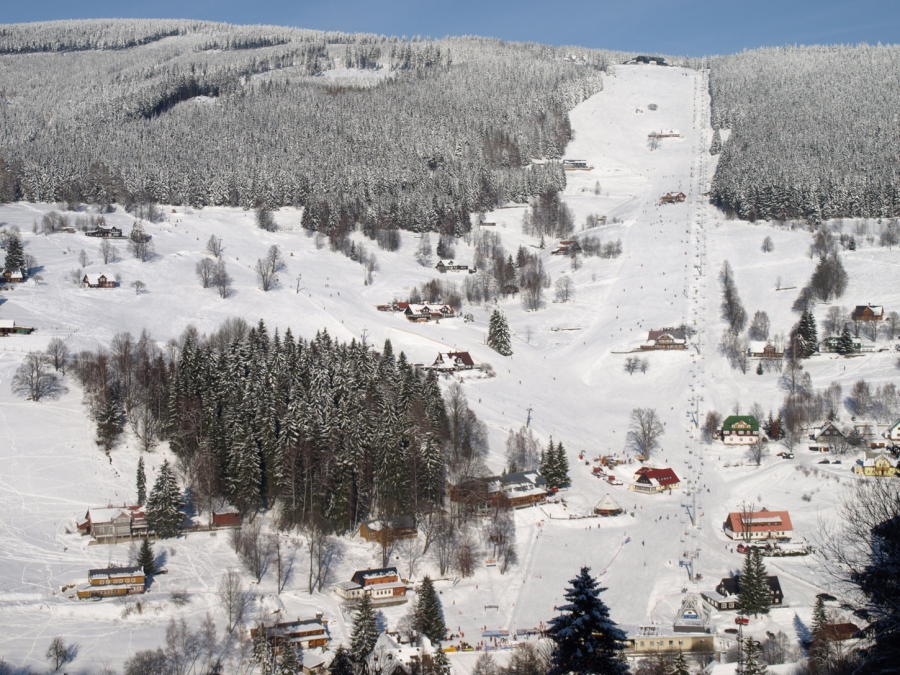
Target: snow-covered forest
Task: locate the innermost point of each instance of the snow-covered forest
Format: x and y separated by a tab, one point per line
361	129
814	132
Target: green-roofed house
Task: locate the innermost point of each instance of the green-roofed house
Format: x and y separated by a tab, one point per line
740	430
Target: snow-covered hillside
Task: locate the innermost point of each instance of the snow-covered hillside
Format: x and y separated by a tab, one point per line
567	367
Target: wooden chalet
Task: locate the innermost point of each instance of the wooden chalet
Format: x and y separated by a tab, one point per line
453	361
826	437
13	276
113	581
450	266
518	490
650	480
764	350
758	525
94	281
867	313
110	524
9	327
428	312
726	595
576	165
386	531
106	233
665	339
306	633
672	198
880	466
227	517
647	61
383	585
740	430
567	247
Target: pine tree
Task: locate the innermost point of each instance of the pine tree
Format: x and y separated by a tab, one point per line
680	665
586	639
109	421
365	631
561	467
498	334
845	345
428	617
441	662
141	483
146	558
263	653
806	337
761	577
753	663
759	368
755	596
15	256
716	146
341	663
820	647
548	460
291	660
164	505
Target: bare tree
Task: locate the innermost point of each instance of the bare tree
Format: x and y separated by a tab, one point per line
59	355
234	599
221	280
83	258
424	250
891	325
255	550
77	276
466	554
34	380
759	327
138	286
411	551
768	245
182	647
645	431
711	426
206	271
565	289
58	653
107	251
632	364
443	545
215	246
499	533
265	274
323	551
835	320
275	259
871	330
755	452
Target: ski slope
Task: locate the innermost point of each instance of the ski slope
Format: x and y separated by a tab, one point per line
567	367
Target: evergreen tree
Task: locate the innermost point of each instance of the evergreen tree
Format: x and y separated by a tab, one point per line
441	662
586	639
141	483
548	459
754	594
846	346
428	617
820	647
561	467
498	334
341	663
680	665
716	146
761	577
263	654
752	663
109	421
365	631
15	256
759	368
164	505
806	340
146	558
291	661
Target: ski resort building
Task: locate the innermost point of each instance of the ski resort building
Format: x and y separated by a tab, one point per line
451	362
304	633
575	164
517	490
113	581
691	631
726	595
386	531
607	507
867	313
101	281
649	480
115	523
665	339
428	312
9	327
740	430
384	586
758	525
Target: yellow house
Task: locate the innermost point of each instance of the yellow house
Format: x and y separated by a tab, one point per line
876	466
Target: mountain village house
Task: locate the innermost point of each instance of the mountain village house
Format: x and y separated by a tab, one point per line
12	276
740	430
725	596
306	633
757	525
226	517
576	164
451	362
824	438
650	481
94	281
384	586
106	233
879	466
832	344
892	433
670	198
9	327
665	339
103	583
450	266
115	523
386	531
765	350
867	313
393	657
512	490
567	247
428	312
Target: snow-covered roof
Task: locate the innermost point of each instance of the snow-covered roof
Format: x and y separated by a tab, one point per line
607	504
7	323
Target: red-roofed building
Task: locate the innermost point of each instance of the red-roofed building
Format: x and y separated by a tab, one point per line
648	479
759	525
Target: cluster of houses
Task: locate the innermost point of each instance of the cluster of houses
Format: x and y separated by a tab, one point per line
671	197
420	312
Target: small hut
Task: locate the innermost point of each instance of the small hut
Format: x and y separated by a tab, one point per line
607	507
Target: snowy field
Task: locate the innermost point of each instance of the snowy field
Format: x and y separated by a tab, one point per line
51	471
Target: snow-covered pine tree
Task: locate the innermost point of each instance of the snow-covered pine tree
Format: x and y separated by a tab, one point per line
498	337
341	663
806	341
244	471
263	654
680	665
15	255
109	420
752	663
548	461
716	147
365	631
586	639
141	482
428	617
820	647
441	662
755	597
146	558
761	577
291	661
846	346
560	467
164	505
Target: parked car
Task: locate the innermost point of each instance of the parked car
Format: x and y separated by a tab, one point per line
837	461
824	461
